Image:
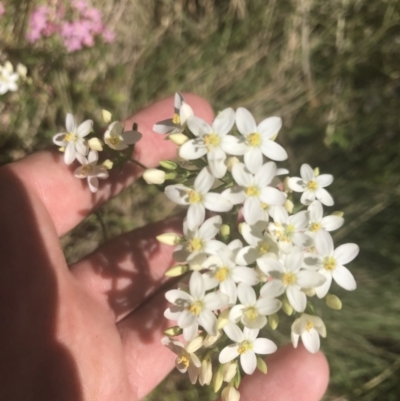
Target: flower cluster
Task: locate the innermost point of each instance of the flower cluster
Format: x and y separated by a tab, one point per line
76	145
251	254
83	26
9	77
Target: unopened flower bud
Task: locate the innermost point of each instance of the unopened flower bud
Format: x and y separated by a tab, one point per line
273	321
286	187
217	379
169	238
108	164
173	331
310	292
205	375
176	271
261	365
338	213
223	319
107	116
286	307
168	164
225	232
178	139
154	176
288	206
231	161
95	144
229	393
333	302
229	371
21	70
316	171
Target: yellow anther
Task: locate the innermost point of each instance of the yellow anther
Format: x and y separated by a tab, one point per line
252	191
87	169
194	197
314	227
194	245
113	140
70	137
312	185
251	312
309	326
329	263
211	140
183	360
288	279
263	248
244	347
254	139
176	119
221	274
195	308
264	206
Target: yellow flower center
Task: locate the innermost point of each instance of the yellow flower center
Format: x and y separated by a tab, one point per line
329	263
252	191
312	185
288	279
194	197
221	274
263	248
183	360
309	326
211	140
113	140
176	119
254	139
264	206
70	136
195	308
251	313
314	227
245	346
87	169
194	245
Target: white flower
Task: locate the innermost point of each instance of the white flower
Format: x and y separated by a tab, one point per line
319	222
309	328
247	345
74	139
260	244
176	124
187	360
8	78
91	170
251	311
289	230
195	308
199	242
223	271
199	199
229	393
312	186
117	139
288	277
259	139
212	141
332	263
254	191
154	176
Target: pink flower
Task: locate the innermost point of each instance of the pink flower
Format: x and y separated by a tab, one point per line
79	5
108	35
2	8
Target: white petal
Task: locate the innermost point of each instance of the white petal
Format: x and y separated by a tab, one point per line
236	313
178	100
233	146
295	339
324	288
185	112
344	278
268	306
264	346
178	194
93	156
210	228
196	285
247	255
306	172
235	195
131	137
265	175
228	287
242	274
299	220
346	253
316	211
246	295
70	123
241	175
176	296
324	196
189	333
233	332
310	279
245	121
272	196
252	210
224	121
215	301
332	222
58	139
228	354
268	265
216	161
296	298
195	215
164	126
69	153
84	128
296	184
307	197
311	340
270	127
258	323
248	361
253	159
192	150
294	261
272	289
302	240
198	126
324	243
324	180
204	181
208	320
273	150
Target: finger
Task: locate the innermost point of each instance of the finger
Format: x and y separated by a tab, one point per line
123	273
67	198
293	374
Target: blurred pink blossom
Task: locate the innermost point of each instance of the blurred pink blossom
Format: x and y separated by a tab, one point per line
2	8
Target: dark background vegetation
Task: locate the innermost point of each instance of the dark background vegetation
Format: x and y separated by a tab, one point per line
330	69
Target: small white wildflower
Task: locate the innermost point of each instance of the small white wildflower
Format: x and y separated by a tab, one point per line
309	328
319	222
73	140
91	170
117	139
312	186
8	78
247	345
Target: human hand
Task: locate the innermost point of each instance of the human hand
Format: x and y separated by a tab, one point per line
92	331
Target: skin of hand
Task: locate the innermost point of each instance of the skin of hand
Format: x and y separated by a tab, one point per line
91	331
